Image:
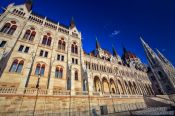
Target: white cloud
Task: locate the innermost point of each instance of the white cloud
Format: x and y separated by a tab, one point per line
114	33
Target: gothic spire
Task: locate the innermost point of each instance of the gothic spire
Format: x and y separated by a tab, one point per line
97	44
114	51
72	23
124	49
28	4
151	56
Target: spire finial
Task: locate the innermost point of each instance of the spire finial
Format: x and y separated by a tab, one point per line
72	23
114	51
124	48
97	43
28	4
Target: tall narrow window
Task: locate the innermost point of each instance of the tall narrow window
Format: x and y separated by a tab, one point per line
20	48
32	36
59	44
61	72
44	40
76	75
41	53
20	65
2	43
46	54
49	41
62	58
42	70
26	50
14	66
57	72
72	48
27	34
37	70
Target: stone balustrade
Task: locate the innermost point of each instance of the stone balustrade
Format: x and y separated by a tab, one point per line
35	91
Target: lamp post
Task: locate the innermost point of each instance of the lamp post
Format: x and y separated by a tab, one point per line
87	88
37	86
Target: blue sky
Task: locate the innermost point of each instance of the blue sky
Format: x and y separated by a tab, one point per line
116	22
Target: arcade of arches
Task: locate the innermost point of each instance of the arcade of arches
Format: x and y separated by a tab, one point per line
119	86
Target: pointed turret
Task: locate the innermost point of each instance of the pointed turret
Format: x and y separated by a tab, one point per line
28	4
97	44
72	23
124	49
114	51
151	56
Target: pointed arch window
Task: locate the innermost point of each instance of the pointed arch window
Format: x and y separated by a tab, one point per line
74	48
30	34
20	65
9	28
76	75
160	74
40	69
59	72
47	39
17	66
62	44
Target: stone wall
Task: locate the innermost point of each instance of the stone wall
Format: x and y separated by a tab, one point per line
65	105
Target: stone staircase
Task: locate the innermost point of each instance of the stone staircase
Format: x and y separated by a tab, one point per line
155	105
155	111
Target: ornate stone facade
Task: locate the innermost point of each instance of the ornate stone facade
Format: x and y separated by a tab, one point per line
35	50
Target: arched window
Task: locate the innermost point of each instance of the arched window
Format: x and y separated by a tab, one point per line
20	65
61	44
160	74
6	28
40	69
12	30
47	39
76	75
44	40
17	66
37	71
9	28
58	72
30	34
74	48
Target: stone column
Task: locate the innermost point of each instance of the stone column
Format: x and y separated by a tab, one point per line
51	82
72	82
90	86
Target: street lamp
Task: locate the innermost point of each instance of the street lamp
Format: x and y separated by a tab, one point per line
37	86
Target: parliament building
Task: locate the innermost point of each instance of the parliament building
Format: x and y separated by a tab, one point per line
36	52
